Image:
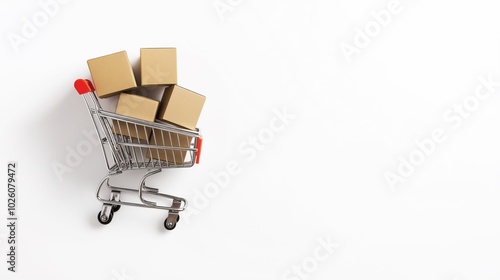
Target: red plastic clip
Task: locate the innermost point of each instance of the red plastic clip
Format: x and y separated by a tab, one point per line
199	143
84	86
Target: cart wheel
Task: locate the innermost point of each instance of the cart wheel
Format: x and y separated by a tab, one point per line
168	225
178	218
105	222
116	208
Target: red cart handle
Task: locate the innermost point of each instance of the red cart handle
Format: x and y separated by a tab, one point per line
84	86
199	143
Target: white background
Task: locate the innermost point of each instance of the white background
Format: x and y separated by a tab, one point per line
322	177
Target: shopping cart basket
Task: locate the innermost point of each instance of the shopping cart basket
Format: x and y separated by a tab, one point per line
168	147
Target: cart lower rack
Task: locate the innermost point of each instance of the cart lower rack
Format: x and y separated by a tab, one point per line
168	147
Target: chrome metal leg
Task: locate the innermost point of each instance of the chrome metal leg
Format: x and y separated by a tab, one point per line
142	186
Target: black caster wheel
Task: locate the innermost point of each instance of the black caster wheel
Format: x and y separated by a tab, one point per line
169	226
105	222
116	208
178	218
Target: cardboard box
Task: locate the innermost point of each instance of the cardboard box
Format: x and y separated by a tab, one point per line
139	107
158	66
181	106
111	74
169	139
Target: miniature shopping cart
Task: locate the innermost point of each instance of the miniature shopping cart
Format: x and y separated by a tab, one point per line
168	147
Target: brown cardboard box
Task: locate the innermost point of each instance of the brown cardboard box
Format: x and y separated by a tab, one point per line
135	106
158	66
181	106
111	74
169	139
